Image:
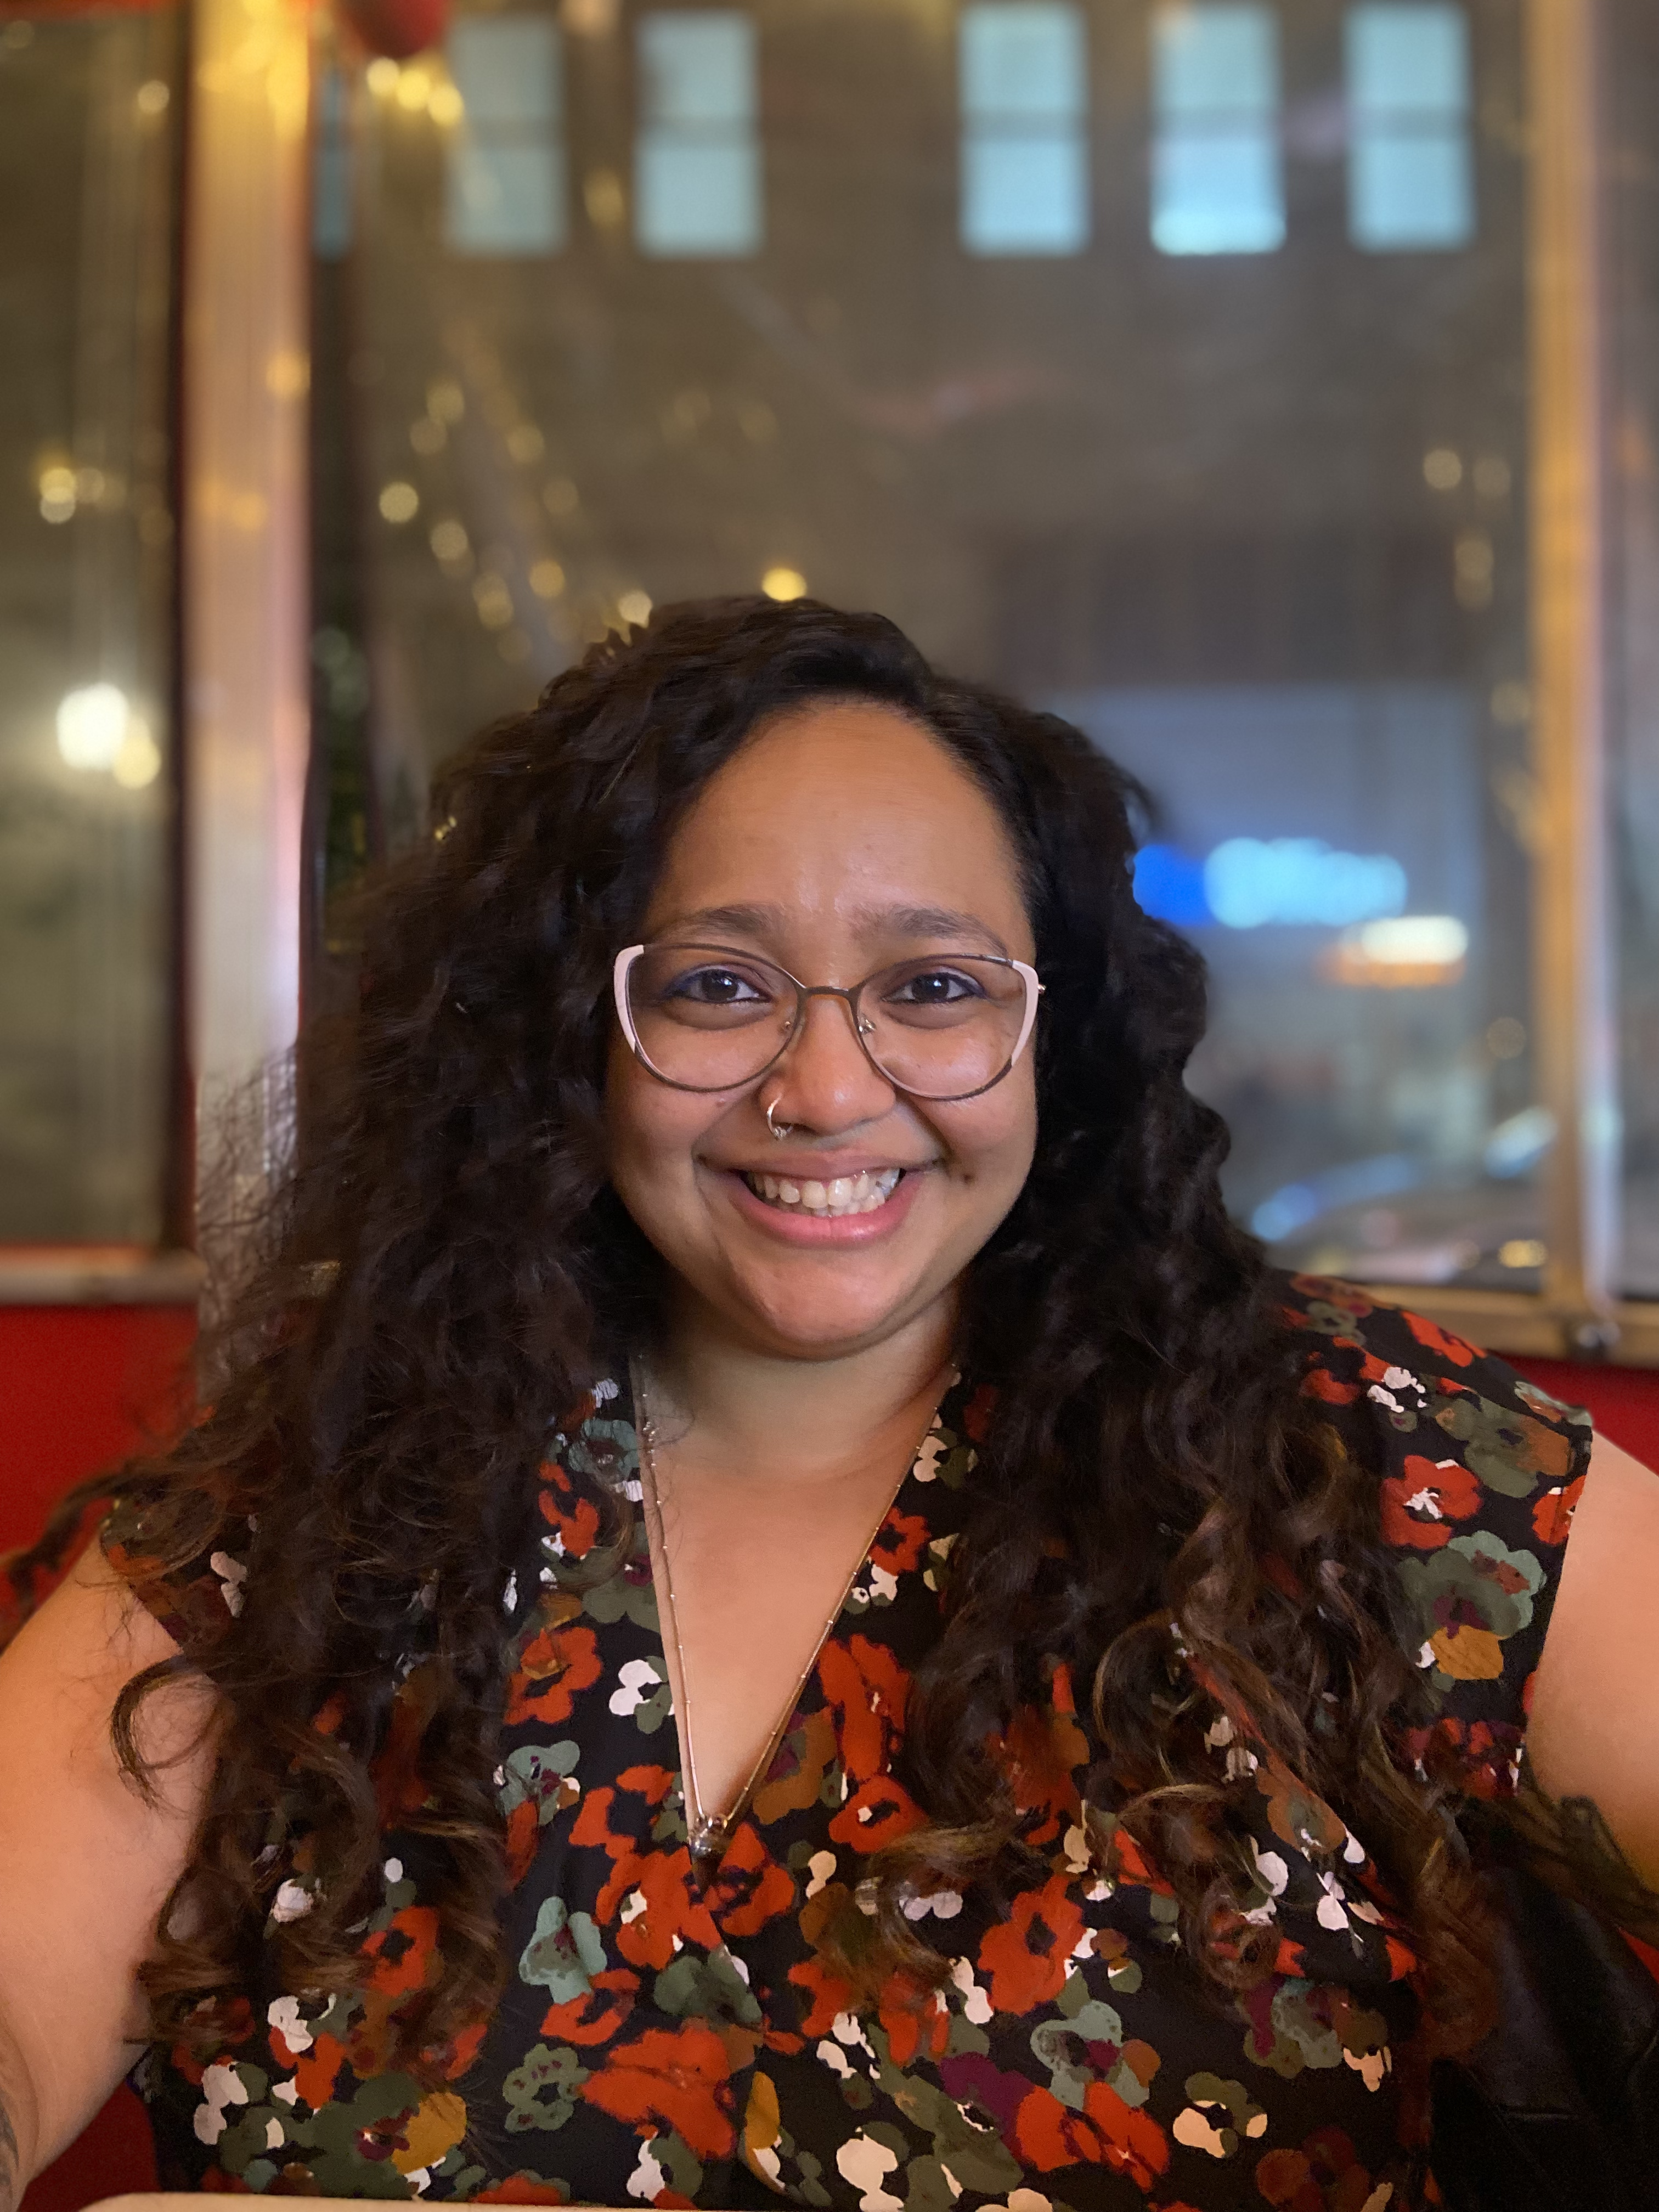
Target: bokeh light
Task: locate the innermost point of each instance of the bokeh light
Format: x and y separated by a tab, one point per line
92	724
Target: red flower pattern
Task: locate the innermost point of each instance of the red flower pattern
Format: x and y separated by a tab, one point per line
553	1669
866	1689
877	1813
576	1520
1048	2135
1422	1503
651	1902
1025	1955
402	1956
1433	1337
677	2076
1552	1517
900	1542
750	1887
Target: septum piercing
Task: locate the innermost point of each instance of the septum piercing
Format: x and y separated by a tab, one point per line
787	1129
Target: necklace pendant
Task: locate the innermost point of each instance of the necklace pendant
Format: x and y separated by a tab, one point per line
707	1840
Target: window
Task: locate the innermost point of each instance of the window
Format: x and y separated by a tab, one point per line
698	166
1411	185
1217	173
1025	111
506	161
1270	532
89	111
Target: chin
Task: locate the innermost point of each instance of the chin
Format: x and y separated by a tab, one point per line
814	1329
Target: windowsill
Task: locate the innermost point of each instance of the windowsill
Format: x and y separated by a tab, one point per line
1517	1321
97	1275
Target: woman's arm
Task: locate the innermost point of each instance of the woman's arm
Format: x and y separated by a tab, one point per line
85	1862
1593	1736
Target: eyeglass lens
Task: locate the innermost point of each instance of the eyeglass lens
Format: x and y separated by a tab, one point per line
712	1020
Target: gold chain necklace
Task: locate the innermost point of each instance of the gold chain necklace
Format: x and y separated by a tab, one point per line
708	1834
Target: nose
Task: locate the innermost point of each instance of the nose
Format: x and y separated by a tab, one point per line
825	1082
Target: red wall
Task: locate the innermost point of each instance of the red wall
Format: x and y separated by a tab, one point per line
81	1386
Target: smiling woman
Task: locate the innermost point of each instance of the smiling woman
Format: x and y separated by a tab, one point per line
771	1599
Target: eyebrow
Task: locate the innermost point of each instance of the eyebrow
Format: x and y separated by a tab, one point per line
764	922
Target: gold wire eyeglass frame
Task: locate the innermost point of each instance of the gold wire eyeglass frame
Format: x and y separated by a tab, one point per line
628	958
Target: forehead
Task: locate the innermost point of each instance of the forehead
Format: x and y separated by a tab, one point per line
843	809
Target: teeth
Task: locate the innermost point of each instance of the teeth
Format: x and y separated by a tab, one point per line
859	1194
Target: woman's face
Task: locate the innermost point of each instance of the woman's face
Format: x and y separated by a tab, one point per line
840	839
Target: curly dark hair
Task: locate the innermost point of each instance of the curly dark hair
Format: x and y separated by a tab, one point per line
1159	1505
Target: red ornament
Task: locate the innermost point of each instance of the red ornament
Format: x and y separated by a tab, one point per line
398	28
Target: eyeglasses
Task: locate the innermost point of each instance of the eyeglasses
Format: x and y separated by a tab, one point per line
705	1017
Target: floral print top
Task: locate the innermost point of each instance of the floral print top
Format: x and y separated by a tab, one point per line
662	2044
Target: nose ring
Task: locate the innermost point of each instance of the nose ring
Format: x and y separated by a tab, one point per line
786	1130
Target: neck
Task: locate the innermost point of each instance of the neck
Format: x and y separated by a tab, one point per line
750	1407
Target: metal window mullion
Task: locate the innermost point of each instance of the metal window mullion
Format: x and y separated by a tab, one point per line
1574	1013
245	553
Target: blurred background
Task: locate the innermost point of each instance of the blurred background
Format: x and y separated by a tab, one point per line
1272	386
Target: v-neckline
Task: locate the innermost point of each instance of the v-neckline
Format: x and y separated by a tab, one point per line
723	1829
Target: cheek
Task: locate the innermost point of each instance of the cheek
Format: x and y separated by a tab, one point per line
994	1138
648	1128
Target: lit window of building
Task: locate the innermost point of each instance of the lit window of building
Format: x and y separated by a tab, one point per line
1024	117
505	150
697	189
1411	184
1217	173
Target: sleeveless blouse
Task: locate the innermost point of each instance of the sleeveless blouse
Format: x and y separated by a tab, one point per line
665	2043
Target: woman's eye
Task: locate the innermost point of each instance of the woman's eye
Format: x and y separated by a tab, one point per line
936	987
715	987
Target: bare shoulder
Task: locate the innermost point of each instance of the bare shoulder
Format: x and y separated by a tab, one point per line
68	1662
87	1858
93	1604
1593	1734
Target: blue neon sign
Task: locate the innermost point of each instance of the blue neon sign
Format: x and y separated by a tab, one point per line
1248	882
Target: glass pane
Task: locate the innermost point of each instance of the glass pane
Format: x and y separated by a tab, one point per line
695	199
697	66
1633	784
1217	186
1212	61
1023	92
1023	60
696	172
1216	191
506	179
1407	60
1255	516
1024	195
1410	189
1411	184
88	109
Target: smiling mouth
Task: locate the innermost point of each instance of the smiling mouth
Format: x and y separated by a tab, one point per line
864	1193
